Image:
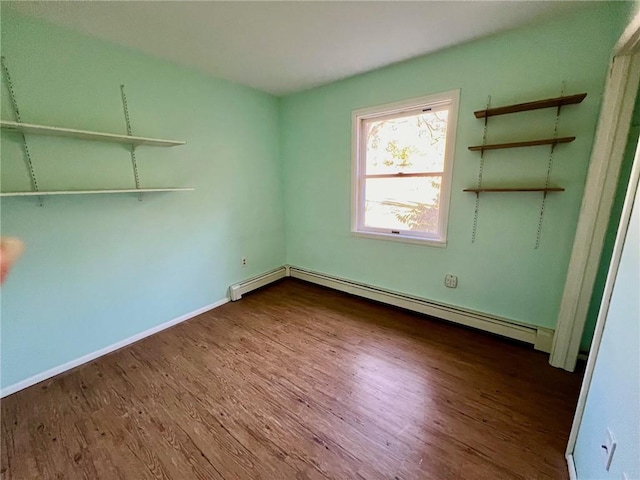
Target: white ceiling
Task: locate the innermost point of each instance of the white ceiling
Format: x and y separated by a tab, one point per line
284	47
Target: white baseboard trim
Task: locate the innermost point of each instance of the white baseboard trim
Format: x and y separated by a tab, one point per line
541	338
104	351
236	291
544	339
571	465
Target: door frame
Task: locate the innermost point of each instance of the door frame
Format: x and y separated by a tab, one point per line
630	198
627	51
602	178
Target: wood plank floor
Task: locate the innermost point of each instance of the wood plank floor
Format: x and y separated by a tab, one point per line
298	382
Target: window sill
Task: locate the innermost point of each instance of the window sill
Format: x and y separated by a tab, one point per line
428	242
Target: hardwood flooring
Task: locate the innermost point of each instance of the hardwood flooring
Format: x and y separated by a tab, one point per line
298	382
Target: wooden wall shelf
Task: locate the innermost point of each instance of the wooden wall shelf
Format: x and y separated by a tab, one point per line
528	143
514	189
93	192
128	139
86	134
525	107
555	140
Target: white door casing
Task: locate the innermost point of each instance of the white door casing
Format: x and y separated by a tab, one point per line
602	178
628	50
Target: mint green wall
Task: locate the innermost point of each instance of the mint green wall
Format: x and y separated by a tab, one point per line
98	269
613	400
501	273
609	241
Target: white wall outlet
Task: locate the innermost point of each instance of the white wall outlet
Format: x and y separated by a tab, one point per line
450	281
607	448
244	262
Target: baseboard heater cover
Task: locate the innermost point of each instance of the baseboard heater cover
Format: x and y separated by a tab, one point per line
237	290
541	338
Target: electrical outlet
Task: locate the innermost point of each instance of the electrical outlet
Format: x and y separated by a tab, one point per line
244	262
450	281
608	448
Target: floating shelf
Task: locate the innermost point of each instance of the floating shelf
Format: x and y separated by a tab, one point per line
515	189
525	107
86	134
529	143
93	192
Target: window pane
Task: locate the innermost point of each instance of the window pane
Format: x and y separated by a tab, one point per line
409	144
403	203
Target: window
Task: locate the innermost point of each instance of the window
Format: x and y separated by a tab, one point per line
402	163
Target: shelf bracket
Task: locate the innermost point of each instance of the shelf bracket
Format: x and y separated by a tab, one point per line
16	112
549	167
134	164
564	83
476	211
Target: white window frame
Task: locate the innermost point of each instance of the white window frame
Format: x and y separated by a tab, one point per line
450	99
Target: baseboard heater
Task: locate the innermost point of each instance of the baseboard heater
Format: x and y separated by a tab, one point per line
236	291
540	338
